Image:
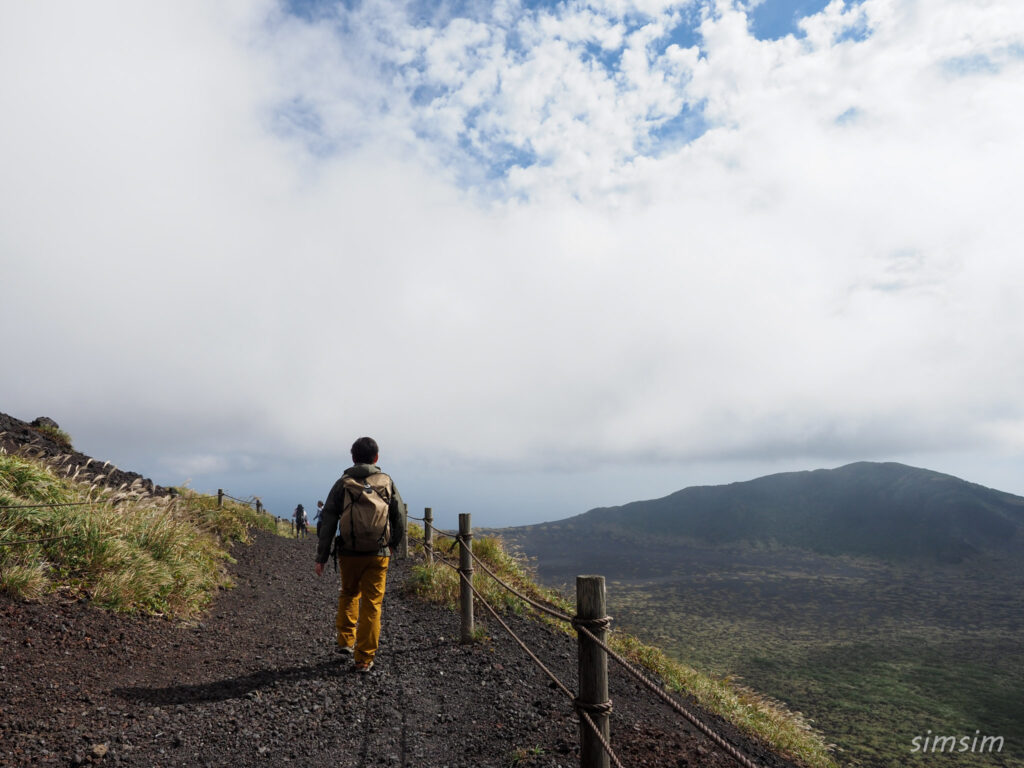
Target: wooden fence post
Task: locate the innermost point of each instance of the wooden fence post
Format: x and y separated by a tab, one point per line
466	568
220	498
428	534
403	546
593	670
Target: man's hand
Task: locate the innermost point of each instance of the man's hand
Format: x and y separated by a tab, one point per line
319	569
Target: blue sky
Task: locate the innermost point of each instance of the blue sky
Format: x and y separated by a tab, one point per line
571	254
773	19
487	153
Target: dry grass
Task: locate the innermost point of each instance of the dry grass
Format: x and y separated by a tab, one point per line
122	548
440	584
56	434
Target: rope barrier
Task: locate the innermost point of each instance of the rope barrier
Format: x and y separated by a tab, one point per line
550	610
249	502
584	715
584	626
539	606
32	541
600	737
55	504
602	623
451	565
679	708
438	530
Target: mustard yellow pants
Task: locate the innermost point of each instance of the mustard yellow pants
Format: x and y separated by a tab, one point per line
362	591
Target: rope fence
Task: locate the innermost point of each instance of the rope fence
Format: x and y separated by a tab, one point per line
549	610
577	704
253	502
18	542
247	502
592	647
33	541
675	705
53	504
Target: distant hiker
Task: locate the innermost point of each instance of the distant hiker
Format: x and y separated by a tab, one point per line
318	515
364	506
300	522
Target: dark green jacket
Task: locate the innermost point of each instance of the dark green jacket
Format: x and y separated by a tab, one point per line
328	527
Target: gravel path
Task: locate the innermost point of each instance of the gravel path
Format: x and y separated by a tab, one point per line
257	683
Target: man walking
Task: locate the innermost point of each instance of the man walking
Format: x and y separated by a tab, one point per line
365	508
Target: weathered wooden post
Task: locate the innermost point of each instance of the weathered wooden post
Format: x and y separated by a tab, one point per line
220	498
593	670
428	534
466	569
403	546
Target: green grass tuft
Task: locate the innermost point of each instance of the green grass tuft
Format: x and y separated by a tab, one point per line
127	551
56	434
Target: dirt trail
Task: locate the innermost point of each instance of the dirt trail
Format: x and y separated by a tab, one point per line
257	683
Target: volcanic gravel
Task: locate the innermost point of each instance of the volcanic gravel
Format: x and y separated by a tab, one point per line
257	682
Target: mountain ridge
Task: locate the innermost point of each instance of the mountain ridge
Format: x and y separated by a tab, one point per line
882	510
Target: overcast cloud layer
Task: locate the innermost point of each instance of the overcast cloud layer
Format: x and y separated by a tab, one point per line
531	248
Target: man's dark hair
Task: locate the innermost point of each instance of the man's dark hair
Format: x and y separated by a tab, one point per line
365	450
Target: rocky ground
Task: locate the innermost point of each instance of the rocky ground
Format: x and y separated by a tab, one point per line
257	683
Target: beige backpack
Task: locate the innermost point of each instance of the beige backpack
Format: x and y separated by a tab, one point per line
364	513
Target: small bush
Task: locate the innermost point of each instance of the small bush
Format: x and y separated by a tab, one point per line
56	434
28	582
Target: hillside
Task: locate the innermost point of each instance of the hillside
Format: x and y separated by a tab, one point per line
889	512
880	600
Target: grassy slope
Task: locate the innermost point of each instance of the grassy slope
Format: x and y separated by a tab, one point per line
122	548
765	719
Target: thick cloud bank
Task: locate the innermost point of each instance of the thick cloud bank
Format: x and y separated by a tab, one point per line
512	238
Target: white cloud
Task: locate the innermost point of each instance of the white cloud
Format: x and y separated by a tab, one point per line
253	234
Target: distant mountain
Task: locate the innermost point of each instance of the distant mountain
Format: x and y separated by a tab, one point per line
887	511
873	597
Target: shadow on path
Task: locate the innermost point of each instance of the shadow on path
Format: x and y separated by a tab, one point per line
232	688
239	687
